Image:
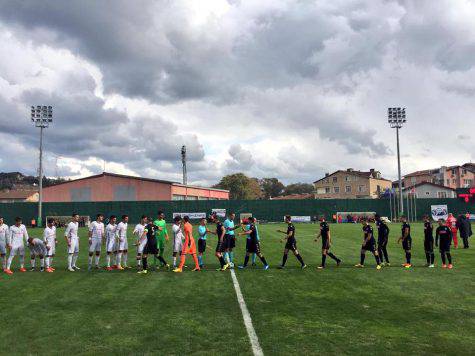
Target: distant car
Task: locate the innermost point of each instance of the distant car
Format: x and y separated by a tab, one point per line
439	212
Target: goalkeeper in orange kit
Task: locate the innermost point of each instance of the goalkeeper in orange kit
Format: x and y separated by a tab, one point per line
189	247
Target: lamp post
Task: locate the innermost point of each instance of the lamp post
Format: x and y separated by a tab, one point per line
396	118
41	116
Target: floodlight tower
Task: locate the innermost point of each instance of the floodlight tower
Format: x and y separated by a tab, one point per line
396	118
183	161
41	116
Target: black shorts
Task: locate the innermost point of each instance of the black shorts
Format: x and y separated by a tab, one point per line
201	245
253	247
150	248
229	241
291	244
382	242
444	245
429	245
369	246
220	246
407	243
325	244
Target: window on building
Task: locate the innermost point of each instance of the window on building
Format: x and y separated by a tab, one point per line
336	189
464	171
413	180
203	198
427	193
347	178
178	197
454	171
191	197
320	190
448	181
335	179
327	190
361	188
441	194
454	181
348	189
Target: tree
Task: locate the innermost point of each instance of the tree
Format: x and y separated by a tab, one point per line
298	188
271	187
240	186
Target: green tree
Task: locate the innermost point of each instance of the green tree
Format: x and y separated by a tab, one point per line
298	188
271	187
240	186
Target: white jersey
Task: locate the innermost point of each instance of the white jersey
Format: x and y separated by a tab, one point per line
18	235
4	231
49	235
72	231
37	247
111	231
122	231
139	229
178	232
97	230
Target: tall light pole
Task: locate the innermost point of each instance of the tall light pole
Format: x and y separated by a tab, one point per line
183	161
396	118
41	116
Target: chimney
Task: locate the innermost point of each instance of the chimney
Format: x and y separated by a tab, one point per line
327	174
349	170
372	170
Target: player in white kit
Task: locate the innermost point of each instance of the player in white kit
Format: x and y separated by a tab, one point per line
16	243
178	238
96	236
37	249
140	242
123	245
4	231
111	241
49	238
72	240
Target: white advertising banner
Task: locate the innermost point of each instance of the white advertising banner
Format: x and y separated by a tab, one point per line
439	212
191	215
219	212
301	219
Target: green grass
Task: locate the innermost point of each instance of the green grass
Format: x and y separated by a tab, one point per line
335	311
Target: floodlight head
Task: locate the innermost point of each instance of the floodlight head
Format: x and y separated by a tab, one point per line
396	117
42	115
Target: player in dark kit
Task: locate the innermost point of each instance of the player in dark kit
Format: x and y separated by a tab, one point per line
443	239
220	247
428	241
326	243
383	237
150	248
291	243
369	244
253	245
406	241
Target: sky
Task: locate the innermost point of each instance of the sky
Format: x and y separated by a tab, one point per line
272	88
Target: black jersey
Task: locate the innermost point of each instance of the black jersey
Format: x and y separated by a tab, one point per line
324	229
403	229
151	232
291	231
383	230
219	229
253	234
368	232
428	230
443	232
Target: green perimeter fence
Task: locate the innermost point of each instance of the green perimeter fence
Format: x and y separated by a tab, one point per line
270	210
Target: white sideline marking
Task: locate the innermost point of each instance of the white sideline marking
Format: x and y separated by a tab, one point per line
256	347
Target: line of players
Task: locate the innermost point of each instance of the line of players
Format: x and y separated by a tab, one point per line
151	237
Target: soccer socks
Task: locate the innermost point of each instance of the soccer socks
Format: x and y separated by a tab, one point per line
75	259
33	263
226	257
96	260
385	255
118	258
108	260
197	264
332	256
362	257
284	259
139	261
442	255
4	262
174	261
89	261
428	258
9	263
222	261
231	256
324	258
144	263
449	257
162	260
47	262
182	261
432	258
300	259
408	257
70	261
246	260
125	256
42	263
200	260
253	258
263	259
378	260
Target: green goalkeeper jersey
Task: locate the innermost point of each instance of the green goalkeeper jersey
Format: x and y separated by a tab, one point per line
163	225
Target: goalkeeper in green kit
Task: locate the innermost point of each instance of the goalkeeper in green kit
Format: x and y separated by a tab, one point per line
162	236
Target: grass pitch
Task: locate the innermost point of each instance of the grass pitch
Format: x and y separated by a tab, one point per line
335	311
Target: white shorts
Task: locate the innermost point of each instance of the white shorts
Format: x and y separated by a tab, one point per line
96	245
123	245
111	245
3	248
37	250
17	250
141	246
177	245
74	246
51	251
